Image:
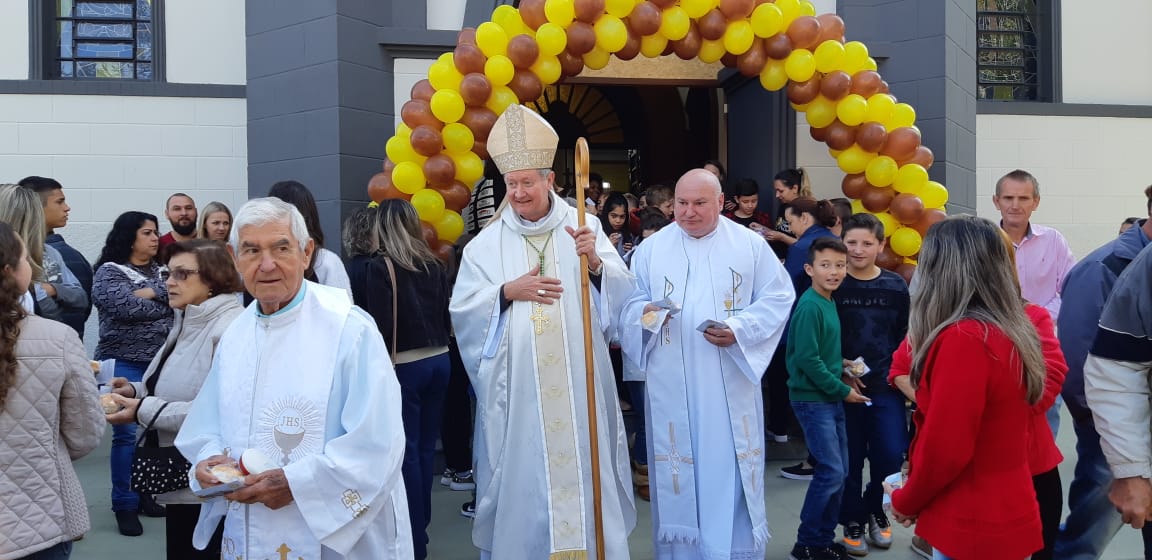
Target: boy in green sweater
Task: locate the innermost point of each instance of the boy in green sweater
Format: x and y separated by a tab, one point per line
815	386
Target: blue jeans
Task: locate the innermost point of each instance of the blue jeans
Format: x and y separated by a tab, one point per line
1053	415
1092	520
639	447
423	384
937	555
878	433
124	447
61	551
827	438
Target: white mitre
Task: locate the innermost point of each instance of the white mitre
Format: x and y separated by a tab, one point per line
522	139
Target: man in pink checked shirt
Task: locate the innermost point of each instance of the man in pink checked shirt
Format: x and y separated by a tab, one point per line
1043	257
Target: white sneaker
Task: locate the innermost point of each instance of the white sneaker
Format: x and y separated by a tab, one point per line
778	438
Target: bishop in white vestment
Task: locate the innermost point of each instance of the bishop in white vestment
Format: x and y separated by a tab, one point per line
705	414
517	316
304	377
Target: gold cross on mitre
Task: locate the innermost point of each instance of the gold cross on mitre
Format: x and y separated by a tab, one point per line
674	459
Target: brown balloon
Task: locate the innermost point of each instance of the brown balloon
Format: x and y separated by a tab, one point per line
389	165
854	185
380	187
589	10
737	9
532	12
871	136
818	134
841	137
446	252
467	36
430	236
906	271
456	195
663	4
526	86
804	32
923	157
866	83
835	85
426	140
439	170
480	149
877	199
712	25
901	144
688	47
631	47
581	38
417	112
671	48
884	87
645	19
468	59
423	90
907	208
888	259
803	92
926	220
752	62
831	28
729	60
480	121
570	64
523	51
778	46
475	89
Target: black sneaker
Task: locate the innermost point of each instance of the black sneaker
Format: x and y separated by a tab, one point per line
806	553
468	509
462	481
836	552
150	508
801	471
129	523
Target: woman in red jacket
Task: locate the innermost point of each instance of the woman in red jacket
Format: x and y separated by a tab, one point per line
978	370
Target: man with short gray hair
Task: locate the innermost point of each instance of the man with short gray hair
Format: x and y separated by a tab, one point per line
301	380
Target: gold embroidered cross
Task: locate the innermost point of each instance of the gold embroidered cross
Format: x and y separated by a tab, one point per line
539	319
283	551
674	459
750	455
351	500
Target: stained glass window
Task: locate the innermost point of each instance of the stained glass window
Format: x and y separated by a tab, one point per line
1008	50
110	39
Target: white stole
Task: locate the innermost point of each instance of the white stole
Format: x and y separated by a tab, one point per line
284	420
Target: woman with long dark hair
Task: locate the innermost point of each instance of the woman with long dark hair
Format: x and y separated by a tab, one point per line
49	416
789	185
391	237
614	218
326	267
132	302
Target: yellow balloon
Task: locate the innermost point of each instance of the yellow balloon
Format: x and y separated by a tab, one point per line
855	56
799	108
807	8
403	131
880	107
767	20
903	115
560	12
738	37
469	167
492	39
834	153
653	46
446	57
500	99
408	177
611	33
399	149
596	58
429	204
499	70
773	77
911	178
858	207
790	9
711	51
905	242
457	137
934	195
696	8
852	109
674	23
821	112
502	13
547	68
511	21
911	261
889	221
881	171
552	39
447	105
449	226
870	64
619	8
829	56
800	65
854	159
444	75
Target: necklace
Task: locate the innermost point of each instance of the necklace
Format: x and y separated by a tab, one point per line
539	250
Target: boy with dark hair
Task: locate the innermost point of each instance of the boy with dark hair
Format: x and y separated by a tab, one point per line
817	390
746	193
872	304
56	211
843	209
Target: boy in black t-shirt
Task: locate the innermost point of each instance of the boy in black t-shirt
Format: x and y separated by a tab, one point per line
873	307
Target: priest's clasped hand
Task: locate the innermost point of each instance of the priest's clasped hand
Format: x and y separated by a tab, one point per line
269	488
586	246
720	337
533	287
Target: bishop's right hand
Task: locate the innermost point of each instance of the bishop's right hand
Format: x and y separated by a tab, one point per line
533	287
204	475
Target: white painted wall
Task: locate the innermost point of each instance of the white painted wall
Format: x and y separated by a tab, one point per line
14	40
1106	52
446	14
821	167
1089	178
204	41
407	72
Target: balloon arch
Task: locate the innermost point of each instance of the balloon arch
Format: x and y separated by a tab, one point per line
438	152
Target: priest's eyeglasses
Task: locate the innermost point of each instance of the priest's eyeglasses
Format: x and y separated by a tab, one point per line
179	274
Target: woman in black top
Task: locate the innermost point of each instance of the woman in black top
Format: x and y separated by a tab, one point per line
372	238
789	185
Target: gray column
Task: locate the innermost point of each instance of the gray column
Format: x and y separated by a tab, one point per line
927	54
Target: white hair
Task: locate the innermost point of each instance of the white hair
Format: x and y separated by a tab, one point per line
262	211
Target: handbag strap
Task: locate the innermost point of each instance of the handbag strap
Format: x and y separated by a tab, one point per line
148	428
392	278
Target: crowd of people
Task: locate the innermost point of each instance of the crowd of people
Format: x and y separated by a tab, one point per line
266	396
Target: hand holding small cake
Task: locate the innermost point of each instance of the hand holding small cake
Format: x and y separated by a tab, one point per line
119	409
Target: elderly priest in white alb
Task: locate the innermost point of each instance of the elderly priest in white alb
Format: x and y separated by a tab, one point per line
303	377
517	315
705	413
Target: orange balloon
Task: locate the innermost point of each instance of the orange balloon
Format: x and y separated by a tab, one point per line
926	220
831	28
423	90
645	19
923	157
439	170
736	9
841	137
475	89
801	93
871	136
456	195
907	208
523	51
835	85
526	86
426	140
429	234
467	36
417	112
778	46
866	83
712	25
581	38
752	62
688	47
468	59
877	199
901	144
480	121
804	32
380	187
589	10
532	12
854	185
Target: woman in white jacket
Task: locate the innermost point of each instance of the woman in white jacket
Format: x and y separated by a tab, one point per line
203	290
